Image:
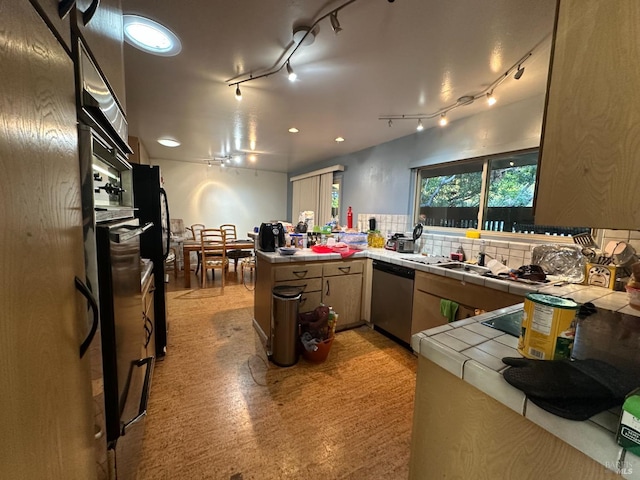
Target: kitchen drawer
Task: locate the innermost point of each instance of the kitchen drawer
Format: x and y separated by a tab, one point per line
342	268
310	301
476	296
297	272
307	285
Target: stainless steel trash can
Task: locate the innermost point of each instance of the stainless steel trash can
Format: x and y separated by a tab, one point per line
284	325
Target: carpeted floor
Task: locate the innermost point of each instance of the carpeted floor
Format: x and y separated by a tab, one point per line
219	410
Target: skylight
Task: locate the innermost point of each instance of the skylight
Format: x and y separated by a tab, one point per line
150	36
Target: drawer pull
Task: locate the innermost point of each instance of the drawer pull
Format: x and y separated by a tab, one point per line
301	273
344	269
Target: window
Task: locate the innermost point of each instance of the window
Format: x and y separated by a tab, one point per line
455	195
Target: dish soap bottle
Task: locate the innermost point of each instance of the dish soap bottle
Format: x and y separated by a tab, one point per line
349	218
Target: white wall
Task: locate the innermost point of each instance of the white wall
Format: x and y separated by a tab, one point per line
213	195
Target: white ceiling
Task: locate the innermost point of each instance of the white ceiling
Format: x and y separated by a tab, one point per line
392	58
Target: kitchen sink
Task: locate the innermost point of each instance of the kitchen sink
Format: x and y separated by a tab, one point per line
464	267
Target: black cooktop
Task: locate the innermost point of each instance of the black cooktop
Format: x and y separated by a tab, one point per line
509	323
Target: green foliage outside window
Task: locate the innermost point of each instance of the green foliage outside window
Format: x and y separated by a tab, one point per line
512	187
458	190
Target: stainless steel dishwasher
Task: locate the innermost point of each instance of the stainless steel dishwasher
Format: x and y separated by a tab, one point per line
392	299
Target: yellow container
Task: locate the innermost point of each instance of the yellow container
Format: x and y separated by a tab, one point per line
548	327
472	234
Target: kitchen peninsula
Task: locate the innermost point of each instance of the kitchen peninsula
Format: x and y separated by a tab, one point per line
483	424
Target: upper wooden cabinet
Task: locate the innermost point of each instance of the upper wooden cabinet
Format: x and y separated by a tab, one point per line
51	10
139	154
588	174
103	36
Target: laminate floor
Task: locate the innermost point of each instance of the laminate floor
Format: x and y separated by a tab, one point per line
219	410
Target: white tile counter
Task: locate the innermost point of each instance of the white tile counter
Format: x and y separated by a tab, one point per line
473	352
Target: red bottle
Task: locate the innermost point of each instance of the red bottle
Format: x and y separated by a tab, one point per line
349	218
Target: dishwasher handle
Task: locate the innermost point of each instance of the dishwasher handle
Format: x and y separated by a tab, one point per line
393	269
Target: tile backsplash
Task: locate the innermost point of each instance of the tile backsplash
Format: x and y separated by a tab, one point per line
512	254
384	223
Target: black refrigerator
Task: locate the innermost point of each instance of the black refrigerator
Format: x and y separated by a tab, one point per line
150	203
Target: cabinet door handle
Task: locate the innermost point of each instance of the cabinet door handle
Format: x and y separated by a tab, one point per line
344	269
90	12
328	290
148	329
301	273
82	288
64	7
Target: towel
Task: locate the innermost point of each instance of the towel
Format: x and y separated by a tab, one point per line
448	309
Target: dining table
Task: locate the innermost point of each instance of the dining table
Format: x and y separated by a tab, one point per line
189	246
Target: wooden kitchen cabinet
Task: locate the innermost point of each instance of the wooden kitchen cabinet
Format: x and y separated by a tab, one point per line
61	27
103	36
429	289
47	419
336	284
588	174
139	154
461	432
342	290
308	278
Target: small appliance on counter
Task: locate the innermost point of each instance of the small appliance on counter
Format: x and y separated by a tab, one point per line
270	236
399	243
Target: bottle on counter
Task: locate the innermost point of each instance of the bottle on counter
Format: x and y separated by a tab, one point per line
349	218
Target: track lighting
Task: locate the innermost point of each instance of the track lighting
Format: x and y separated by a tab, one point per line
209	163
390	123
335	23
516	71
302	36
292	75
420	127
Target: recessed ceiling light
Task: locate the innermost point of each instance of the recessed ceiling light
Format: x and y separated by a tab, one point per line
150	36
252	158
294	130
339	139
168	142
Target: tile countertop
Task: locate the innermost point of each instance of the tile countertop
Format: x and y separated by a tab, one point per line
601	297
473	352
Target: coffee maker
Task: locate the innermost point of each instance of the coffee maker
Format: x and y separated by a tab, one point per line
270	237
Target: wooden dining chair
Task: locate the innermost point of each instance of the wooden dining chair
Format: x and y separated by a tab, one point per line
213	254
172	262
230	236
195	229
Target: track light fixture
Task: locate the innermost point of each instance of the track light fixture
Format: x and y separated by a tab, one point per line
420	127
335	23
487	93
301	34
292	75
390	123
519	72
